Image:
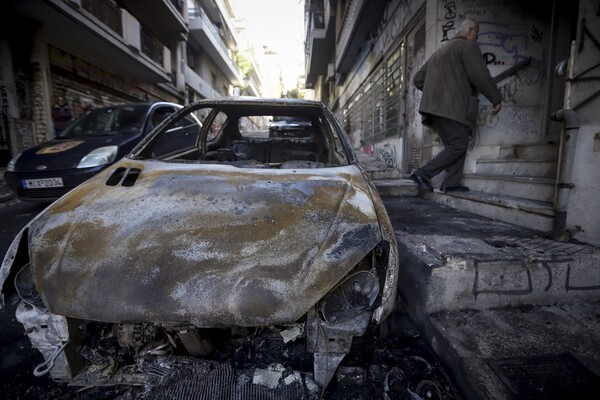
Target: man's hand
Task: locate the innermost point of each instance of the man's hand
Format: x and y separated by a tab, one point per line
496	108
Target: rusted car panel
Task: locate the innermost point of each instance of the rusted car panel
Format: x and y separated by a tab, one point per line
214	247
229	228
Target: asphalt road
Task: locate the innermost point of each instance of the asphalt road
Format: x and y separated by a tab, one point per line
403	351
17	357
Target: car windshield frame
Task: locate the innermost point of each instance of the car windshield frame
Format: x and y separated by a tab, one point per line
332	132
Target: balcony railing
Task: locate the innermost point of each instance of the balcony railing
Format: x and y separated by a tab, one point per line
178	5
195	12
106	12
151	47
348	23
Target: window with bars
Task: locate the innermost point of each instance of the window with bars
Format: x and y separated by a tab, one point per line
376	109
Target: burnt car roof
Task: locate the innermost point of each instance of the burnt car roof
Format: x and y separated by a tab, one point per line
249	105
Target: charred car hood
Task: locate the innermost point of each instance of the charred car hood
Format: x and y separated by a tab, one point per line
209	245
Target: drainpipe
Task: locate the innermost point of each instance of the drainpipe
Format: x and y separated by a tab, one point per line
565	172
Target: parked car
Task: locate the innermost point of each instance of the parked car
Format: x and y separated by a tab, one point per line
87	146
289	127
181	251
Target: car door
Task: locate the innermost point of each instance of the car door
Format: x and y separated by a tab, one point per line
181	136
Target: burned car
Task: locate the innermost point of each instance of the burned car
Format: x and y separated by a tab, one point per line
203	232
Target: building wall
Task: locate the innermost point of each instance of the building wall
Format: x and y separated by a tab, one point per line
370	102
510	32
40	62
58	73
583	216
208	71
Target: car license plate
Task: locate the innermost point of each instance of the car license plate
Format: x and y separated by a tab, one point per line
42	183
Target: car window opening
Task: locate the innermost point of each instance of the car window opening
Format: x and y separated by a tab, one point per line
267	137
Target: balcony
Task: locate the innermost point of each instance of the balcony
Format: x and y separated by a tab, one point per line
195	81
151	47
360	17
106	12
206	35
166	17
320	43
100	34
251	88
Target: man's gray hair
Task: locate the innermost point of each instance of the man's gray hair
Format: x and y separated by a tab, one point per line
468	23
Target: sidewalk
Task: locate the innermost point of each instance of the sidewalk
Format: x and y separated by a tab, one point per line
511	313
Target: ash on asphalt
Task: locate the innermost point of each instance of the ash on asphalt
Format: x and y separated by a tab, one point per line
399	366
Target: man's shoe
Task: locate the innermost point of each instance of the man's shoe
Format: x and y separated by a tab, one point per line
459	188
422	182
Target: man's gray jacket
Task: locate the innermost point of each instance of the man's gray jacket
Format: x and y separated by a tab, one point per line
452	78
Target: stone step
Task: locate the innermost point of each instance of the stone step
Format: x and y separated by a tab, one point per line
530	214
532	151
396	187
540	189
377	169
505	273
454	260
384	174
542	168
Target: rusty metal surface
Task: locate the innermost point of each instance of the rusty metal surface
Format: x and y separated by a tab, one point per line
211	245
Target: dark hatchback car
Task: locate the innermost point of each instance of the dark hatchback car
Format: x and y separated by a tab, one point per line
90	144
283	126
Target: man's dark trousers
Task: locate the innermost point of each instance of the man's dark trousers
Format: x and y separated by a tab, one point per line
455	137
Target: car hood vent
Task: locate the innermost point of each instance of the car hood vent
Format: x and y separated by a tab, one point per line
126	177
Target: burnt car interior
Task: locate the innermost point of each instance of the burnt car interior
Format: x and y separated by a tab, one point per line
246	140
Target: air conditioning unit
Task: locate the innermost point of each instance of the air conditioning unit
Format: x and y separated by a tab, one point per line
330	71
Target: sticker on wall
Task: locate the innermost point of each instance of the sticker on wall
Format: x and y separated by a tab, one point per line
59	148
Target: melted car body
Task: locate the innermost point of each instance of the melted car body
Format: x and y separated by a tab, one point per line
213	226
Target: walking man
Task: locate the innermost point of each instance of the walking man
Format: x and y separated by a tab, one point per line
451	80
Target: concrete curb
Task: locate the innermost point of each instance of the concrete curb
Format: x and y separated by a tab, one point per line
486	292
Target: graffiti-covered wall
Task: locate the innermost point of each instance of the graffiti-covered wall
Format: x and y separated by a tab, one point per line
583	218
389	151
514	35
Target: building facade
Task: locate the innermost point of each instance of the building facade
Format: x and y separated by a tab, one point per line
102	52
524	167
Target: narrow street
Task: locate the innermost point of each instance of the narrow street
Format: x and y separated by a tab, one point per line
220	235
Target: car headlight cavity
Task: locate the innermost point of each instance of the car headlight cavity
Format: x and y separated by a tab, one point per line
25	287
355	294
